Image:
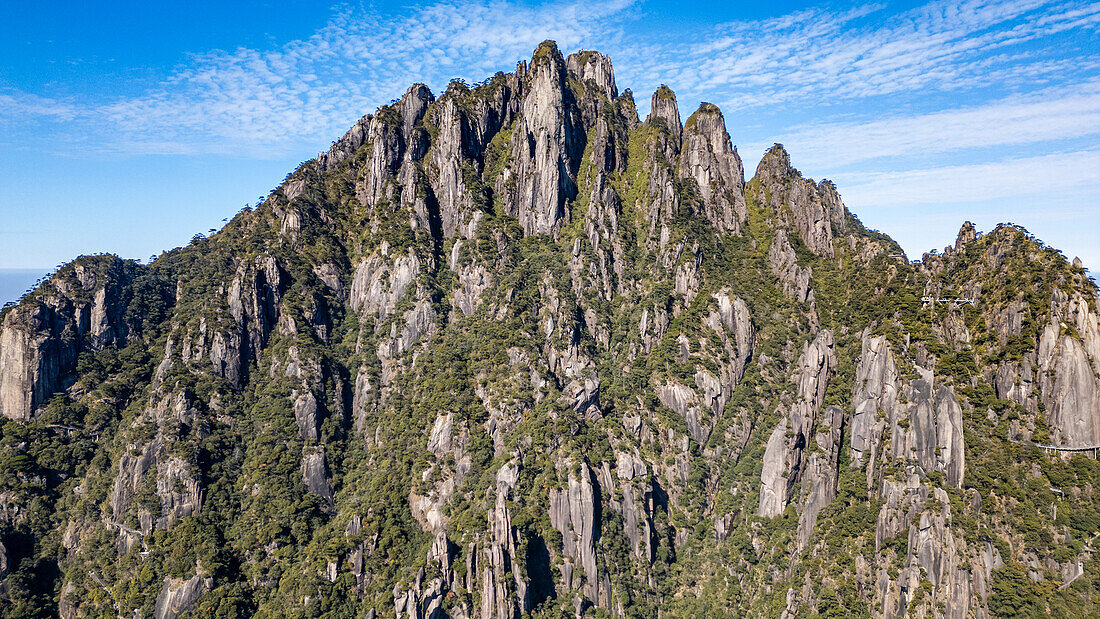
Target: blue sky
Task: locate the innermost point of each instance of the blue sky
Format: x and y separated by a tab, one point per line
130	126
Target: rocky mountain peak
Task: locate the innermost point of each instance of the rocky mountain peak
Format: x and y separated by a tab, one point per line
775	165
547	53
814	210
559	363
412	106
663	106
708	157
595	67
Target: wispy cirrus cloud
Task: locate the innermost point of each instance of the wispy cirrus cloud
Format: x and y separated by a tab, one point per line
1067	174
829	56
275	102
269	102
1064	113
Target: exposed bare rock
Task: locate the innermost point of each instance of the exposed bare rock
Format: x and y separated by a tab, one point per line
473	280
179	596
41	337
949	453
305	413
447	156
594	68
784	456
466	121
662	151
708	158
574	512
601	227
820	478
178	489
380	281
255	302
774	483
419	325
132	467
504	590
638	506
391	132
315	474
1069	372
784	264
702	405
545	145
811	209
663	107
346	146
681	399
874	391
332	277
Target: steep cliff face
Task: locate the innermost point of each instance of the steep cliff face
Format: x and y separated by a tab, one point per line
814	210
707	157
82	308
514	351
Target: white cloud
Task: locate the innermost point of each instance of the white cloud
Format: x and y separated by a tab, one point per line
272	103
1063	113
825	57
1069	175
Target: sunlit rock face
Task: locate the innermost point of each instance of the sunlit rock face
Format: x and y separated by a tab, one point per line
514	351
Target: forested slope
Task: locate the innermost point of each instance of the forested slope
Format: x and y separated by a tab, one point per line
514	350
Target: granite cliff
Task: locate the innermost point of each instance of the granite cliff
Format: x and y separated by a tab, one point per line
514	351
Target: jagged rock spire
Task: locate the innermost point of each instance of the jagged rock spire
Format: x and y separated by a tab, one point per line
596	68
708	157
815	208
663	106
543	145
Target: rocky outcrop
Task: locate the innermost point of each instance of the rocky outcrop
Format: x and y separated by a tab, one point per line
774	480
132	467
305	413
575	513
346	146
1069	371
708	158
702	405
81	308
381	280
874	397
785	454
811	209
928	429
473	280
593	69
784	265
394	137
821	470
924	420
178	488
546	145
254	298
467	121
663	108
315	475
504	589
179	596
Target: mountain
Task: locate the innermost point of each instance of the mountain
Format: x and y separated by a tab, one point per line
514	351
